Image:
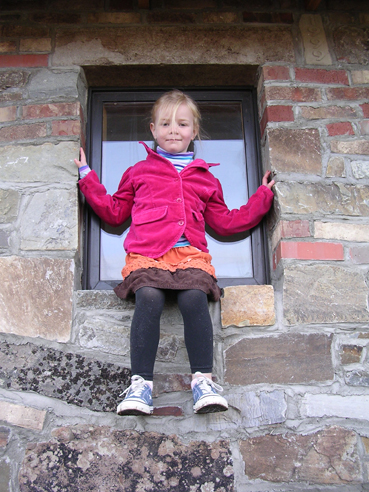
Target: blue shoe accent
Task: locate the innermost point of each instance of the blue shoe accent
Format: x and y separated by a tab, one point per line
205	396
138	400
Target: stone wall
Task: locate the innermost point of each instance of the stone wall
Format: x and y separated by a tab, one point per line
292	356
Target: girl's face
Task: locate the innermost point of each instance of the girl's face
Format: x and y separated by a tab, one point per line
174	136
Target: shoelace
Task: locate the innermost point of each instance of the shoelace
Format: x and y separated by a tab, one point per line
203	382
138	386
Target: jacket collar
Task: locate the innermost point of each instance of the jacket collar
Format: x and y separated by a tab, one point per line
195	163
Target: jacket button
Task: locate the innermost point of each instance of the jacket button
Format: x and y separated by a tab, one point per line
179	200
181	223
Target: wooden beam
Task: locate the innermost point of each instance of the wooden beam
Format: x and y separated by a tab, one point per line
312	4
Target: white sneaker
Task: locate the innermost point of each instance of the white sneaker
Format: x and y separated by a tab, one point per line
138	400
205	396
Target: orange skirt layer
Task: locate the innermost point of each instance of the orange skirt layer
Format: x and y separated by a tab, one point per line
175	259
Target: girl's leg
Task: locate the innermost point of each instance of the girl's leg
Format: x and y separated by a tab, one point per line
198	329
145	331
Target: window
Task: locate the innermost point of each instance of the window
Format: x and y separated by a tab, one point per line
120	119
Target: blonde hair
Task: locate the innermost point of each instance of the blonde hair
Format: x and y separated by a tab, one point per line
171	101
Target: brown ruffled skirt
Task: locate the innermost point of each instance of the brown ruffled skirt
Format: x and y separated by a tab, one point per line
179	269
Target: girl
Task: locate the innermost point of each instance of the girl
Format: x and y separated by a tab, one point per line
170	196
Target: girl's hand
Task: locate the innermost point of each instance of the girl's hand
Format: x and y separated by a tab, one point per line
266	181
83	161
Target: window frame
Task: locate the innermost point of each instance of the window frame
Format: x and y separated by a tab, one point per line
97	98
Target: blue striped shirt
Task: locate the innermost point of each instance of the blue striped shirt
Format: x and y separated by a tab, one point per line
179	161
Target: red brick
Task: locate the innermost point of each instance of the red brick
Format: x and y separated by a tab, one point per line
321	76
50	110
276	113
24	60
349	93
66	127
343	128
22	132
295	228
308	251
168	411
299	94
365	108
276	73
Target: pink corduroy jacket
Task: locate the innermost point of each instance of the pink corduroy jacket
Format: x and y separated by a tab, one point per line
165	204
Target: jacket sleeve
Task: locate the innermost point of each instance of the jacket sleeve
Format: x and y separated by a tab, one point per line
227	222
112	209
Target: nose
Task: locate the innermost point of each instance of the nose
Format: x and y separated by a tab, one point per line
174	128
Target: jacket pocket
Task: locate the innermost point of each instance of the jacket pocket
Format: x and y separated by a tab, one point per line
149	215
198	216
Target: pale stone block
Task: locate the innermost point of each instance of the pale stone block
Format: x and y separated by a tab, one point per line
106	334
9	205
4	437
332	199
50	221
27	417
347	407
329	456
315	42
5	471
342	231
360	77
350	44
46	85
276	236
248	305
183	45
260	409
336	167
46	163
360	169
36	297
350	146
296	151
283	359
366	444
324	294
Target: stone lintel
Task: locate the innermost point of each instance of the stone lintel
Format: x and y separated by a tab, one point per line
184	45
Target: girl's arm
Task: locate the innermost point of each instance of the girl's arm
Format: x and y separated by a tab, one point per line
227	222
112	209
